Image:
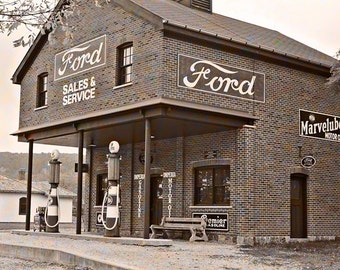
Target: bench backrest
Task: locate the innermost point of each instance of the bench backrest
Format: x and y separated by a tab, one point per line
181	220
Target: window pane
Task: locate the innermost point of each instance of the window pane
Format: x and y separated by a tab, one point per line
42	90
212	185
222	176
22	206
204	195
128	78
222	195
204	177
125	64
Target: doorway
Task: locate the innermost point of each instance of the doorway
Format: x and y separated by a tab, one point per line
298	206
156	201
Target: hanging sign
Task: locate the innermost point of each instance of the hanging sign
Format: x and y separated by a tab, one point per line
86	56
140	178
207	76
319	126
308	162
170	177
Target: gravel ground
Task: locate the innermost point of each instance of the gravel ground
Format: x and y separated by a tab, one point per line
13	263
185	255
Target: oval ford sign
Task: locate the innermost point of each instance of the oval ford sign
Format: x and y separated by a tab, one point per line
308	161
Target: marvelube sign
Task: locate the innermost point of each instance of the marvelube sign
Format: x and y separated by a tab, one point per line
207	76
81	58
319	126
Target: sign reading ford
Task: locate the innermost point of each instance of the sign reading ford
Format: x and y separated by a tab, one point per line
308	162
81	58
207	76
319	126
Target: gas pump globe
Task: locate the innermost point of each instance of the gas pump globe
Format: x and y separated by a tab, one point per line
54	168
52	208
111	197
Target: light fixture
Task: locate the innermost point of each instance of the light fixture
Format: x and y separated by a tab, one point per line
92	144
299	145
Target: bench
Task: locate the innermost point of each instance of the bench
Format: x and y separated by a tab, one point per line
195	225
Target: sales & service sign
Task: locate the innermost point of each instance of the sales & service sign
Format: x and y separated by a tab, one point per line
77	60
319	126
207	76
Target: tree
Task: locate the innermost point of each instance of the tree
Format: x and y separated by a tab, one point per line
333	81
38	15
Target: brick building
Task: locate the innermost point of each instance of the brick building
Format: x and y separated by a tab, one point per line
220	117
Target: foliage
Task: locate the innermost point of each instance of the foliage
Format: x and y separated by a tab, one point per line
38	15
333	82
11	163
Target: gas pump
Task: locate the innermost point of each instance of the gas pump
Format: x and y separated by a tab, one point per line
52	208
111	197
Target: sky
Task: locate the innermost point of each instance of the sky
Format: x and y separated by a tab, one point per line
315	23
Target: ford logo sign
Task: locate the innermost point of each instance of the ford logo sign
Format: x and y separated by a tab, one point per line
308	162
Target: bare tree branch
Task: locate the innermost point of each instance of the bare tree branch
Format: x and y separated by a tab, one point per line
38	15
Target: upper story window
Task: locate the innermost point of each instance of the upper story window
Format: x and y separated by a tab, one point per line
22	206
212	185
42	90
125	61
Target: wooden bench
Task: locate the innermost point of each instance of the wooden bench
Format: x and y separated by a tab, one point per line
195	225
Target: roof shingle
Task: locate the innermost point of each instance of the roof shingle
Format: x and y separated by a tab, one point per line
229	28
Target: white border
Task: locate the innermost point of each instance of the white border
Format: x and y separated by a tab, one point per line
308	167
214	93
89	41
312	136
221	230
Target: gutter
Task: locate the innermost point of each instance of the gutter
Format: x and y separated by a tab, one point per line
245	44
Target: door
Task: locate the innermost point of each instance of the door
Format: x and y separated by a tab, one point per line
298	207
156	200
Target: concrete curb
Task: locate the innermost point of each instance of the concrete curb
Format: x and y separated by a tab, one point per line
56	256
102	239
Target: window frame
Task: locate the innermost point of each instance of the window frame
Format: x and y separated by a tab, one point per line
42	88
22	206
101	189
212	200
125	53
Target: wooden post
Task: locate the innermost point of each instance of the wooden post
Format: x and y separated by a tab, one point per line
80	180
29	185
147	178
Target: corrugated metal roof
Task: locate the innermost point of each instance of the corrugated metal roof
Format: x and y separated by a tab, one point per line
229	28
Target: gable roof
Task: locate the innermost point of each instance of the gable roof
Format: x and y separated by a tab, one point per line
170	13
8	185
231	29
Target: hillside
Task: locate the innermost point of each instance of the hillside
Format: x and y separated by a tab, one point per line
11	163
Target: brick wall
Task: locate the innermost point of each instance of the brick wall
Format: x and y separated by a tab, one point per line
261	158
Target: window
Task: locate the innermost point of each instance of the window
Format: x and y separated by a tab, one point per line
22	206
42	90
212	186
125	60
101	187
